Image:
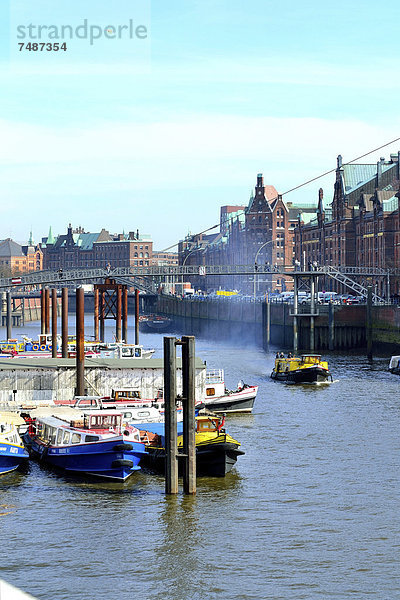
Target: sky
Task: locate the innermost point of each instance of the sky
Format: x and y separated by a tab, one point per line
156	133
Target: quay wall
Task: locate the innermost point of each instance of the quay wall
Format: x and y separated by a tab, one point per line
24	310
45	380
216	319
344	328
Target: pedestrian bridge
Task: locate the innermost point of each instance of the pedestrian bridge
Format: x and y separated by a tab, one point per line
148	278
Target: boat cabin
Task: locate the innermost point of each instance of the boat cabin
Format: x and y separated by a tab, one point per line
125	394
394	362
208	424
57	432
215	385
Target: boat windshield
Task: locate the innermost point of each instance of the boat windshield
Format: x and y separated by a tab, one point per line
311	359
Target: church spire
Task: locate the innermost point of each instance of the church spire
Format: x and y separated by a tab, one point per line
50	238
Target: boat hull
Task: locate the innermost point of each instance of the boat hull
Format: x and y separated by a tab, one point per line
231	403
12	456
111	459
155	325
212	460
313	374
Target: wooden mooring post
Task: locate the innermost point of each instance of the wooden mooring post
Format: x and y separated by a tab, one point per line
189	424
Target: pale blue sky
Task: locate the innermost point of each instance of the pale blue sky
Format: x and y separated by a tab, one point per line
159	136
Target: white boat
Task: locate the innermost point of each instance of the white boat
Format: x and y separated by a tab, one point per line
394	365
221	400
12	451
121	350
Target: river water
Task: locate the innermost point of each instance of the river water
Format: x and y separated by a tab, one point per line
310	511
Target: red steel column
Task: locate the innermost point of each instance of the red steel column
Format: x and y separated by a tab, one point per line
102	334
43	310
80	339
118	316
125	314
54	323
47	310
64	322
96	314
136	316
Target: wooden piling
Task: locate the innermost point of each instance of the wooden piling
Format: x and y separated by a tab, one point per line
125	314
171	443
54	323
136	316
64	322
80	342
9	316
189	421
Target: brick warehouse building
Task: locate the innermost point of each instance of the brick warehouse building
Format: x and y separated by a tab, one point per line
360	227
78	248
17	259
262	232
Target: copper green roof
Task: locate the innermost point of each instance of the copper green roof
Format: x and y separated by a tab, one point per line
355	176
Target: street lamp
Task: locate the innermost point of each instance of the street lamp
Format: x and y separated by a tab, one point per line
185	259
255	263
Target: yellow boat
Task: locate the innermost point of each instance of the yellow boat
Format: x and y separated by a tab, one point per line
216	450
308	368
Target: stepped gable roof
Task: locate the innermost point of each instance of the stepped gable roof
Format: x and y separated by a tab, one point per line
10	248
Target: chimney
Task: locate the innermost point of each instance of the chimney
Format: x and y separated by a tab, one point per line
339	161
380	169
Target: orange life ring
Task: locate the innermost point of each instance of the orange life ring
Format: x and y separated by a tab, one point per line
43	346
35	347
49	346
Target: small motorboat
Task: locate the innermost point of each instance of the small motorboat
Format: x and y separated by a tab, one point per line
12	451
87	443
216	450
394	365
308	368
219	399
